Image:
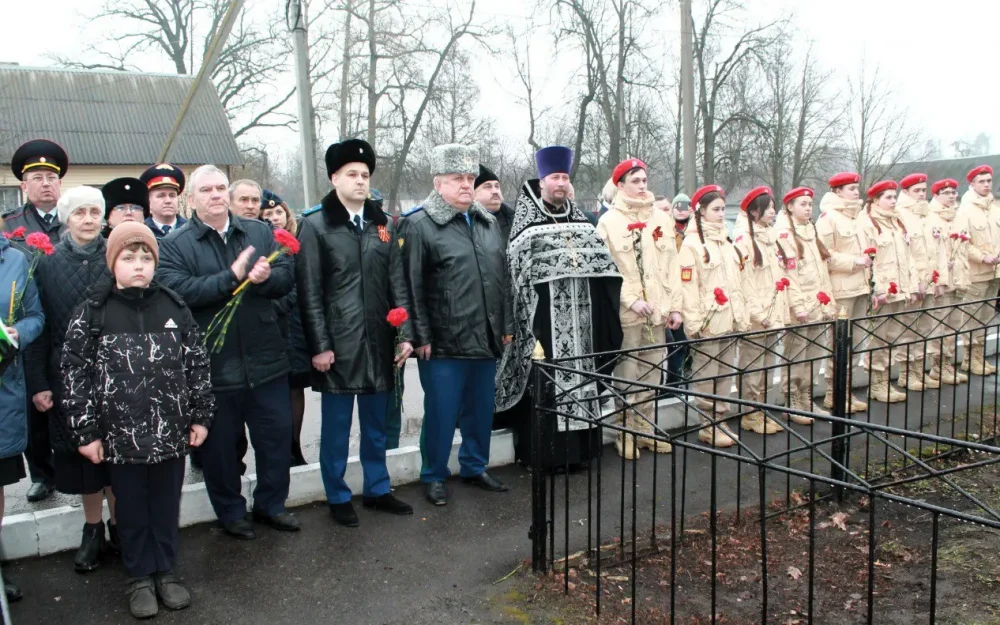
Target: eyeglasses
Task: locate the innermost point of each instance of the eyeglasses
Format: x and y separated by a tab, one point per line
949	192
128	208
43	178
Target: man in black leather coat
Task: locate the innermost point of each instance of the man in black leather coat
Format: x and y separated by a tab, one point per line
456	294
348	274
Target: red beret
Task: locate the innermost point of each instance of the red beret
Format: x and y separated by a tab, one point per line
753	195
844	177
700	193
912	179
797	192
879	187
624	167
941	185
982	169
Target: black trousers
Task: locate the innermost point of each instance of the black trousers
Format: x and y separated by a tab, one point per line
39	451
677	365
148	510
266	411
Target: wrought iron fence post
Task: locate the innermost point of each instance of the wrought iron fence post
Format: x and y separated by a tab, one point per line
841	395
542	400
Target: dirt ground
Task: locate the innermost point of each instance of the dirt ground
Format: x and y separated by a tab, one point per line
967	580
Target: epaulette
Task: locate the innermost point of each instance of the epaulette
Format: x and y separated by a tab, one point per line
413	210
310	211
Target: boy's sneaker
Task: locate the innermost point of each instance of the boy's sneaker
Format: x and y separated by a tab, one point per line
141	598
170	590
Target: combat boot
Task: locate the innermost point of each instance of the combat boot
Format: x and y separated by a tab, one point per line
882	390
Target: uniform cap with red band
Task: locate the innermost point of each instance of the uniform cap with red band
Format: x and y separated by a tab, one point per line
702	192
626	166
844	177
753	195
982	169
912	179
882	185
797	192
163	175
941	185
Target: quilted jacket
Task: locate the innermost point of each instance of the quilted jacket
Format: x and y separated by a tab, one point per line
63	281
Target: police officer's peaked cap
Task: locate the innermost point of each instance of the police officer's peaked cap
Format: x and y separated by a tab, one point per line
39	155
163	175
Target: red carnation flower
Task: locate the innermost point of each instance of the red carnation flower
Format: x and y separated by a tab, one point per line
720	297
397	317
41	242
893	288
870	251
18	233
786	282
779	286
823	298
639	225
965	238
657	234
953	235
935	276
287	240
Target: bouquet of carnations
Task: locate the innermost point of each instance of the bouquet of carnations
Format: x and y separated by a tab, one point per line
396	318
37	244
215	335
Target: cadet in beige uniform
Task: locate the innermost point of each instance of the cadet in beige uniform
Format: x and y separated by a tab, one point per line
911	206
948	253
713	306
849	267
756	239
650	300
895	282
980	217
806	269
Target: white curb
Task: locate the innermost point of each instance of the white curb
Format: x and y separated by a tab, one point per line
45	532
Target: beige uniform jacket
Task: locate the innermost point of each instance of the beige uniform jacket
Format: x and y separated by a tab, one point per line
893	263
661	276
980	217
703	317
913	214
947	255
807	271
839	231
764	301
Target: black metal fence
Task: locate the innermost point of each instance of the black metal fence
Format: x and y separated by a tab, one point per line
681	514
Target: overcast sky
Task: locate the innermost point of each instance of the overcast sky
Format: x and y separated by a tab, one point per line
939	56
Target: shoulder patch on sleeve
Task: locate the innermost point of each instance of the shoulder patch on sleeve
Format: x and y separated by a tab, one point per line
686	274
413	210
783	235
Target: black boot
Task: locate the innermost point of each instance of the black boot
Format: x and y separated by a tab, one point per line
92	546
298	459
113	543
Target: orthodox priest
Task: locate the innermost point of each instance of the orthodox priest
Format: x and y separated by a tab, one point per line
566	290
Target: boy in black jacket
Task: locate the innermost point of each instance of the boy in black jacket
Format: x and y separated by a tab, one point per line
138	395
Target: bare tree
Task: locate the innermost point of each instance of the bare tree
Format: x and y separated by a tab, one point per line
252	56
881	136
715	70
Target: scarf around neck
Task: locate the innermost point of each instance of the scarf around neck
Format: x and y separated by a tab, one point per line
832	201
945	213
714	231
980	201
918	208
884	217
628	204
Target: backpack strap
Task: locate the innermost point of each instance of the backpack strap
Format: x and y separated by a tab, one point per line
96	318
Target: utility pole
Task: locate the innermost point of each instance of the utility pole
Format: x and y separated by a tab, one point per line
687	96
207	67
296	19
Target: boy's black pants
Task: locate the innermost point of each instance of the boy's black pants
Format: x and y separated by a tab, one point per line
148	505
